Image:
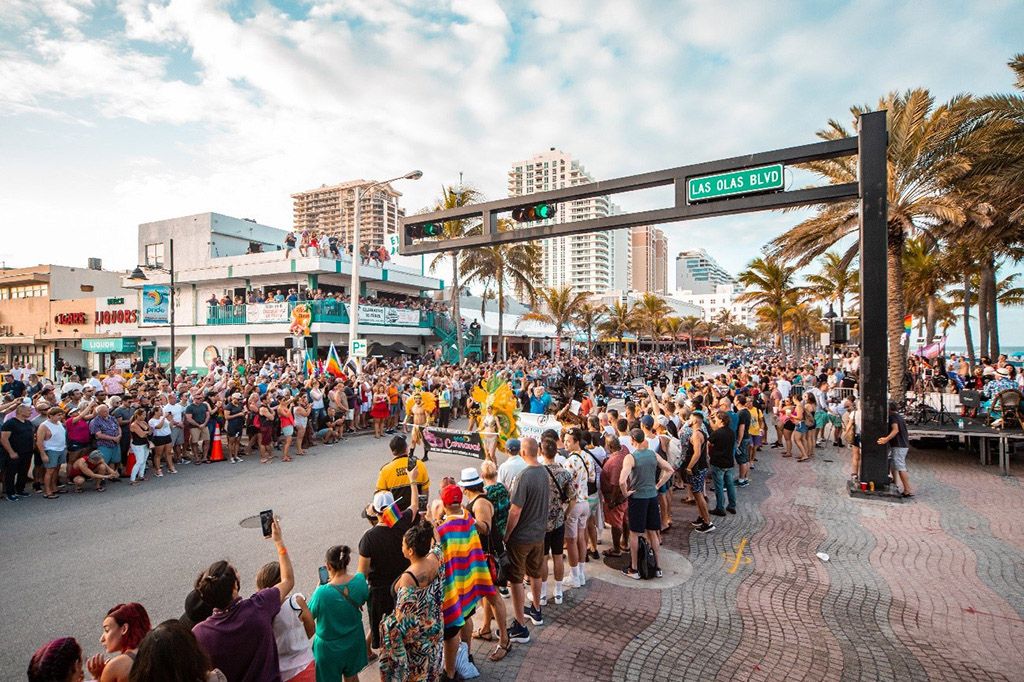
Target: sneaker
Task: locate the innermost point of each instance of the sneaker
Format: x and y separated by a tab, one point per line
534	615
706	528
558	597
631	572
12	498
697	523
731	510
503	591
658	573
743	484
718	512
518	633
543	602
570	581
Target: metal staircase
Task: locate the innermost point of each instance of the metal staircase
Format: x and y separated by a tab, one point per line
446	330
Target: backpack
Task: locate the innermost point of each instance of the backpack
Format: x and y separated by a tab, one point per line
675	453
645	563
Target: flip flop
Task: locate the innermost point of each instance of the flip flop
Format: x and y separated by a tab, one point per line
908	495
50	497
612	553
500	652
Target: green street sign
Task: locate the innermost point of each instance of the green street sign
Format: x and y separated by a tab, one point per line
732	183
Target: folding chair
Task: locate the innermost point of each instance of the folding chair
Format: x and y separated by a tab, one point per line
1007	405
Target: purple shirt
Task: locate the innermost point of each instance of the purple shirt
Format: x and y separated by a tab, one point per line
240	641
106	425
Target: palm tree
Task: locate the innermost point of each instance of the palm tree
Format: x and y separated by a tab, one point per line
671	327
648	311
836	279
921	160
926	274
559	307
515	264
618	321
690	325
456	197
589	317
769	284
801	322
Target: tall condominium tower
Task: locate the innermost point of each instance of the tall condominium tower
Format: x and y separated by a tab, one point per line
331	209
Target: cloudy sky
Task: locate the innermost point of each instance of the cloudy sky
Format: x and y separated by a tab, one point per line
117	112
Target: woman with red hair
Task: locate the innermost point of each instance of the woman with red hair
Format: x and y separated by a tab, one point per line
123	630
57	661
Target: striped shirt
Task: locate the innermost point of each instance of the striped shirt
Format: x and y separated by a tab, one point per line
467	578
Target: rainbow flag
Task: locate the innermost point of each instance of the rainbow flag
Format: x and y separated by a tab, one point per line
908	323
467	578
310	367
389	517
333	366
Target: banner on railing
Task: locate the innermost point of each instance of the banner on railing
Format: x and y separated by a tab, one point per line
402	317
256	313
452	442
532	425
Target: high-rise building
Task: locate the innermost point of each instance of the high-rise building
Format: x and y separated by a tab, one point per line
330	209
588	262
699	273
649	249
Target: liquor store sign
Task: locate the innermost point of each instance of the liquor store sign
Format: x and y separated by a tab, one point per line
114	313
733	183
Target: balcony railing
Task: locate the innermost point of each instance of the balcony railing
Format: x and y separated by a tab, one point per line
330	311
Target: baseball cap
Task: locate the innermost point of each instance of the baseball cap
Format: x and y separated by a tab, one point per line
662	420
236	395
513	445
451	495
470	477
647	420
383	500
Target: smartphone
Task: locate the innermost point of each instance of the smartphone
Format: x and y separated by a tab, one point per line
266	522
324	575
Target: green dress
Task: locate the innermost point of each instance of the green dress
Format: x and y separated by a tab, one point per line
339	646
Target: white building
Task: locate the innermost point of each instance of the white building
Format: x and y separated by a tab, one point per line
596	261
722	298
699	273
217	256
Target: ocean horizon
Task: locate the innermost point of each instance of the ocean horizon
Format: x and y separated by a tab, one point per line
1009	350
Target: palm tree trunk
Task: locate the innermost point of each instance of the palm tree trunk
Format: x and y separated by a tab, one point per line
897	350
929	320
456	310
993	308
983	294
779	331
967	320
501	319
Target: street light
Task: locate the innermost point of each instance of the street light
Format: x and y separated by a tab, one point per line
139	276
353	312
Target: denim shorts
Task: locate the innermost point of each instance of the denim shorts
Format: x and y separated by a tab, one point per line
898	458
743	451
55	458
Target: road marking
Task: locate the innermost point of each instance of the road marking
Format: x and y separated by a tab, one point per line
737	558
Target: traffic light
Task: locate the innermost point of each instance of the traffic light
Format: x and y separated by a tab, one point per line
423	230
528	214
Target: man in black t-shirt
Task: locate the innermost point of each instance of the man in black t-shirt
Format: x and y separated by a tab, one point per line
12	387
743	440
723	445
898	440
16	438
234	423
380	556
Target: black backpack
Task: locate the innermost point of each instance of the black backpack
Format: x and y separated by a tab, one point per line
645	563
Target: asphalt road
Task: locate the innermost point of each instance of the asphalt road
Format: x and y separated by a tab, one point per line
67	561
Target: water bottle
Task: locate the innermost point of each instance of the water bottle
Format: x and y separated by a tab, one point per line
960	423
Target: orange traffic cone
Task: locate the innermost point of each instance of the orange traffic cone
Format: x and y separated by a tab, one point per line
216	450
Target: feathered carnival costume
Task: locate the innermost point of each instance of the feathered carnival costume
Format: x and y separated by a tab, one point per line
496	393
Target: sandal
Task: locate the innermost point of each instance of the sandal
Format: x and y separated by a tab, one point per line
500	652
100	488
907	495
486	635
54	497
785	454
612	552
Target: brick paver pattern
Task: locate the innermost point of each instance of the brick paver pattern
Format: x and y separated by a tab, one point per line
930	589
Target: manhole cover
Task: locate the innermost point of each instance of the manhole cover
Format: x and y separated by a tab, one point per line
616	562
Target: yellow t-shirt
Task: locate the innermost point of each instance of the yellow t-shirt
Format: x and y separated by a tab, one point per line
755	421
394	477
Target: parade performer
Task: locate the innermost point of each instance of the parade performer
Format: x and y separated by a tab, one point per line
500	411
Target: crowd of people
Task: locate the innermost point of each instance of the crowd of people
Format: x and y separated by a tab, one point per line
480	557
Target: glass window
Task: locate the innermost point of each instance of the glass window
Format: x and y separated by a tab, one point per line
155	255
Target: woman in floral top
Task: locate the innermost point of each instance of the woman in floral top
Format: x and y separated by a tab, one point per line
411	635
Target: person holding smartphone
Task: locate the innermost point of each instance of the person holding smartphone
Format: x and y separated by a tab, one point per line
239	636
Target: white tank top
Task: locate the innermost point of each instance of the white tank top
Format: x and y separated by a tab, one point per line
294	651
58	436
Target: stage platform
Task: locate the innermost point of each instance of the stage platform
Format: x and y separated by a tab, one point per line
973	428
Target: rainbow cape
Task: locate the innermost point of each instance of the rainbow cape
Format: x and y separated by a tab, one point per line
467	578
389	516
333	366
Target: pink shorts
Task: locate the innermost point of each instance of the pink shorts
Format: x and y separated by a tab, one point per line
576	519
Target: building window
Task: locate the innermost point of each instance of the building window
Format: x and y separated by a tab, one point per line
155	255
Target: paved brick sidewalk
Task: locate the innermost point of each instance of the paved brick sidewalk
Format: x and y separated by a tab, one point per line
931	589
